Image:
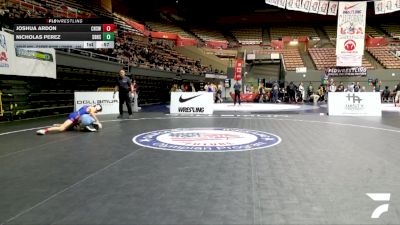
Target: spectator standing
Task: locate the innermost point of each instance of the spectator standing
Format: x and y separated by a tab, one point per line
386	94
397	90
302	91
275	92
357	87
310	90
340	88
135	95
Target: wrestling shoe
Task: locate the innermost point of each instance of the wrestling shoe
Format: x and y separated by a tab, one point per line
41	132
90	128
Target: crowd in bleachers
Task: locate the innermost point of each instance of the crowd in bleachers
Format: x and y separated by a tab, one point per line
157	54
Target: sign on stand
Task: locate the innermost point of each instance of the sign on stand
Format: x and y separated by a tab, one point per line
354	104
192	103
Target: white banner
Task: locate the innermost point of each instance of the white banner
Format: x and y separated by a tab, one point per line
351	28
105	99
306	5
282	4
333	8
6	53
349	60
390	6
297	5
26	61
301	69
354	104
192	102
290	4
35	62
379	7
314	6
386	6
323	7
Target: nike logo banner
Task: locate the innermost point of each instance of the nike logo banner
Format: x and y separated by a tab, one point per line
181	100
192	103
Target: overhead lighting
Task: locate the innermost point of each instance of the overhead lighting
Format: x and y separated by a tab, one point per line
294	42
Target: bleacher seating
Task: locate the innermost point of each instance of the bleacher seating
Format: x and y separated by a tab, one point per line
294	32
291	57
206	34
248	36
122	26
374	32
168	27
386	56
331	32
392	29
326	57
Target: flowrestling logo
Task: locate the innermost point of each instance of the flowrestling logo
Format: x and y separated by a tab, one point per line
207	139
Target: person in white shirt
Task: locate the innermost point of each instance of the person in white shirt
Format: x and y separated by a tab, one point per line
302	91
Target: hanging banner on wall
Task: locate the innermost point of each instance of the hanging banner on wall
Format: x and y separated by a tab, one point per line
351	28
6	60
282	4
306	5
386	6
333	8
289	4
323	7
379	7
33	62
314	6
349	60
297	5
238	69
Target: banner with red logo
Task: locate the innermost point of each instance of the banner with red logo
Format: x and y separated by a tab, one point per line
350	33
238	69
351	28
5	53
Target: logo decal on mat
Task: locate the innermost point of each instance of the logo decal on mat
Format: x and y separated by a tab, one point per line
207	139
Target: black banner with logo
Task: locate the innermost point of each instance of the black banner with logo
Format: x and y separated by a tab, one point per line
346	71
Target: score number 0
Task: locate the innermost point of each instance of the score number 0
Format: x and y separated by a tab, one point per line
108	27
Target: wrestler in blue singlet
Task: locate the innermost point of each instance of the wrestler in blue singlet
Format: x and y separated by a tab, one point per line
75	115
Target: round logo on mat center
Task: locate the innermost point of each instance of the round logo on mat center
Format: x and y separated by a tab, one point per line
207	139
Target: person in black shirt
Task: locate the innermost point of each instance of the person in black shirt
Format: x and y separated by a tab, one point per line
237	87
340	88
124	86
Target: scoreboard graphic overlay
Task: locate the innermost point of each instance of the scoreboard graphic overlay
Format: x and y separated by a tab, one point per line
64	33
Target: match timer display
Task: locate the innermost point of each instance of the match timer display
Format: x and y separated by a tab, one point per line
64	33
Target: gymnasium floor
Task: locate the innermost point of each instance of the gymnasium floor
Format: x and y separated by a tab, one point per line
317	173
